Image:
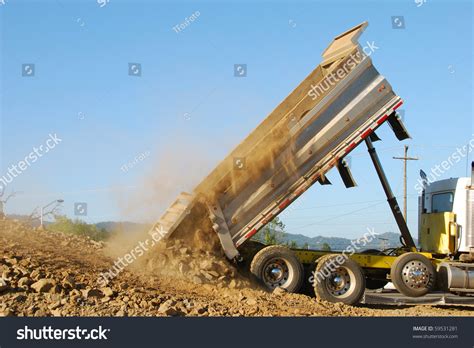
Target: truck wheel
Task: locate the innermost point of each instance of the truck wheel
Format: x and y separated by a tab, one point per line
277	266
413	274
336	281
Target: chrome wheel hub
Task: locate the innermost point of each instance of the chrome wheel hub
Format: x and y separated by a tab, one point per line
275	273
416	275
339	282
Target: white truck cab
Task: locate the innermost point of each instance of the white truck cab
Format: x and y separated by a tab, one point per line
446	217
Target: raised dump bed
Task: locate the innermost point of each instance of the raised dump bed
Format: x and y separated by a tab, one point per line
339	104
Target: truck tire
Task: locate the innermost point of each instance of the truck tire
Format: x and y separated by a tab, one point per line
277	266
413	275
336	281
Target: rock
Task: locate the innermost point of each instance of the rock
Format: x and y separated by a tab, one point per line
20	270
55	289
108	292
56	313
197	280
6	313
183	268
167	308
55	305
201	310
24	282
213	273
3	285
251	301
75	293
66	274
210	265
19	298
36	274
233	284
207	275
43	285
278	291
6	274
90	293
123	286
12	261
68	282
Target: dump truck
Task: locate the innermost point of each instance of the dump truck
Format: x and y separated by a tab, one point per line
337	107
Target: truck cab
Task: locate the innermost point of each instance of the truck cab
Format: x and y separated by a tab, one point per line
446	219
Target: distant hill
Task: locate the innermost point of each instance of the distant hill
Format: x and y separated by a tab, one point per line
383	240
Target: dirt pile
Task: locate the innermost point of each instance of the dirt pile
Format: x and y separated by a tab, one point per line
49	274
173	258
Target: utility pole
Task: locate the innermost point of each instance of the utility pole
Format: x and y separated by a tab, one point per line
405	160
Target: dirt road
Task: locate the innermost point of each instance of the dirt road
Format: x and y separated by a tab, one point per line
49	274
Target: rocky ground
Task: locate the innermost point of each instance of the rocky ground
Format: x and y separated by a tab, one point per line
50	274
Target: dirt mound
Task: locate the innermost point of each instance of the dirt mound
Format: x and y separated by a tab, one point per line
49	274
175	259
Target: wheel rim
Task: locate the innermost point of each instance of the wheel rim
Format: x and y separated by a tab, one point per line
416	275
341	282
277	273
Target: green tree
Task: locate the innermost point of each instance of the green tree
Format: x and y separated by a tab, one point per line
78	228
305	246
326	247
292	244
273	233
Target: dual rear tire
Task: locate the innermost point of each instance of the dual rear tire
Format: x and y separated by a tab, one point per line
336	278
277	266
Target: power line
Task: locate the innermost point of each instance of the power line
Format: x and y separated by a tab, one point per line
338	216
346	204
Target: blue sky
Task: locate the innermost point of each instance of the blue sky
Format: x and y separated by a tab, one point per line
187	110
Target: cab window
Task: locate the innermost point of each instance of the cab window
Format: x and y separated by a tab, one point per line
442	202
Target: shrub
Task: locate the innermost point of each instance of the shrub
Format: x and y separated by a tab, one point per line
77	228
